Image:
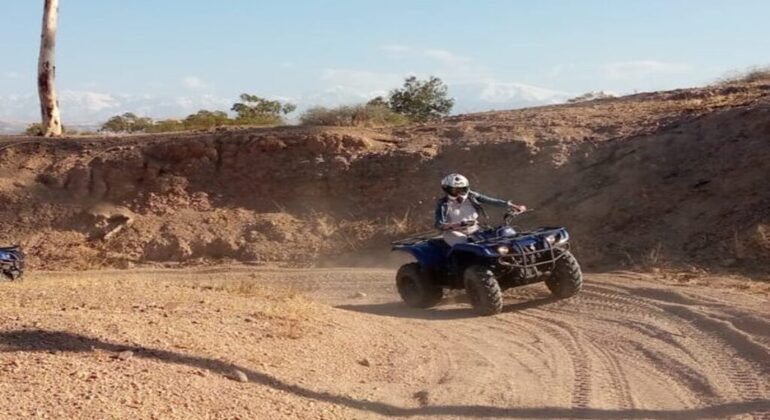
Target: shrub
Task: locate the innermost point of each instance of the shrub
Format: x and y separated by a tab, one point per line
36	129
166	126
353	116
590	96
204	120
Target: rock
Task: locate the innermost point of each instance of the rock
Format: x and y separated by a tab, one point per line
422	397
124	355
239	376
364	362
358	295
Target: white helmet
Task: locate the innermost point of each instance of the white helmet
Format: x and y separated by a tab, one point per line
455	185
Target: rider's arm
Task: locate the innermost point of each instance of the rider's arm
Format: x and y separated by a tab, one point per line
440	221
495	202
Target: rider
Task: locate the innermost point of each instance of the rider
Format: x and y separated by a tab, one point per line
458	211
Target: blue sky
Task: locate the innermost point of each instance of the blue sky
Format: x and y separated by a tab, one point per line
170	58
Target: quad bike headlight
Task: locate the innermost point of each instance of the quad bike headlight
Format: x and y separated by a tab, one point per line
502	250
557	238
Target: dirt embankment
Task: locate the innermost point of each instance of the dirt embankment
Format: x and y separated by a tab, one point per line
665	178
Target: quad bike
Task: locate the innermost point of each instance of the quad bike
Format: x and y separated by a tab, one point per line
493	260
11	262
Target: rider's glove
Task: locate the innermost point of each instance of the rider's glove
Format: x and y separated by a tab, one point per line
518	208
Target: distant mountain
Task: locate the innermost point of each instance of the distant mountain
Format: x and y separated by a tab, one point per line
484	96
9	127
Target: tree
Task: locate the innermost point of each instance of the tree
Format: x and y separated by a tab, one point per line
128	123
259	111
421	100
378	101
46	72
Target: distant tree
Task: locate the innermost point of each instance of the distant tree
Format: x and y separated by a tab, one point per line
421	100
46	72
254	110
590	96
128	123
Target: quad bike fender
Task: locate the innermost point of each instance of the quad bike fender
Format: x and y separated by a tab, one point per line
473	249
427	255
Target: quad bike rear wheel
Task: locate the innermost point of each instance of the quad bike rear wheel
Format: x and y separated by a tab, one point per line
483	290
416	287
566	279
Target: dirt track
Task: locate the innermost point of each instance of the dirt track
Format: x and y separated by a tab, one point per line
626	347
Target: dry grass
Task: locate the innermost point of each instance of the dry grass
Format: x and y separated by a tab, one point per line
653	257
324	225
398	225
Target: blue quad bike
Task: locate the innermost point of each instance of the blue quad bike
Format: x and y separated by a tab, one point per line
493	260
11	262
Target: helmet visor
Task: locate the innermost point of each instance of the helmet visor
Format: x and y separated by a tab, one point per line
457	191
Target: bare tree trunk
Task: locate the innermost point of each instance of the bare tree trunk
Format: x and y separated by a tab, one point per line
46	72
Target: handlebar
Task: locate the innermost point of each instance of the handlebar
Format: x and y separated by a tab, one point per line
511	214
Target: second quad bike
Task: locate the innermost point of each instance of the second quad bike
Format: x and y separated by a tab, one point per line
494	259
11	262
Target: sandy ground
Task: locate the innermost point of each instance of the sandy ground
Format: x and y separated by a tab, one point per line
241	342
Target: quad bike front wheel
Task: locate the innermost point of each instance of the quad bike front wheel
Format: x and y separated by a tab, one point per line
483	290
566	279
416	287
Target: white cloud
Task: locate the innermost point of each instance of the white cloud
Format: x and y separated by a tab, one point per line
501	92
556	71
445	57
194	82
396	50
442	56
13	75
632	70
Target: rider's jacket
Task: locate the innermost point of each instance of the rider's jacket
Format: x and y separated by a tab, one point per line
476	198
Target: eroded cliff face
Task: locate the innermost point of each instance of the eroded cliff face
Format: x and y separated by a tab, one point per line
667	178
